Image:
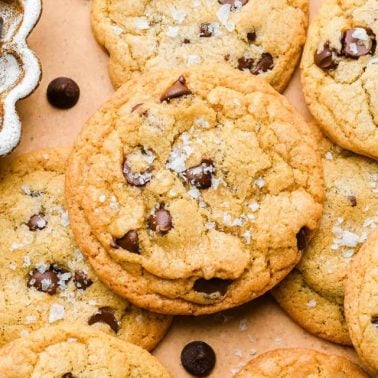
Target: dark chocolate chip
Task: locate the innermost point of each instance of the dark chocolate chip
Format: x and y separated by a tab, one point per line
105	315
198	358
325	58
302	239
358	42
186	41
136	179
130	242
245	63
161	221
177	89
63	93
46	282
374	320
37	222
352	200
227	57
81	280
232	2
200	175
67	375
251	36
206	30
214	285
264	64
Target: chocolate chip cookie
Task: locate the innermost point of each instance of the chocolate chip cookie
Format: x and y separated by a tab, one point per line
194	190
340	73
72	351
313	294
257	38
295	362
361	303
45	280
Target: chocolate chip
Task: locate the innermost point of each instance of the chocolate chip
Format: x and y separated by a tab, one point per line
67	375
352	200
302	239
233	3
206	30
1	26
136	179
374	320
161	221
264	64
227	57
251	36
81	280
186	41
198	358
200	175
245	63
130	242
214	285
63	93
37	222
46	281
177	89
358	42
325	58
105	315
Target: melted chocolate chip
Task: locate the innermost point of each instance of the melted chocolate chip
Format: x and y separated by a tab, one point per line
37	222
130	242
233	3
136	179
325	58
245	63
63	93
198	358
82	281
200	175
302	239
374	320
177	89
161	221
358	42
214	285
206	30
352	200
264	64
251	36
105	315
46	282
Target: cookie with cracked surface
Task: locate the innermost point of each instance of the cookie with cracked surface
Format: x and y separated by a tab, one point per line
313	294
44	277
361	303
259	38
296	362
70	351
340	73
192	191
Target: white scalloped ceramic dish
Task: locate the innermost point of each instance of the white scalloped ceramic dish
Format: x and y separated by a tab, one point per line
20	70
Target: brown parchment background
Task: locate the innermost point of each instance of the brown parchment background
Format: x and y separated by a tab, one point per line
66	47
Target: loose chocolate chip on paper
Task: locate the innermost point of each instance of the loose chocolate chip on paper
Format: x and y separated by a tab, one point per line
206	30
82	281
245	63
264	64
161	221
176	90
214	285
37	222
130	241
358	42
63	93
105	315
325	58
198	358
302	239
136	179
200	175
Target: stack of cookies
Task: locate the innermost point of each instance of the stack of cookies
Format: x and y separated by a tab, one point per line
197	188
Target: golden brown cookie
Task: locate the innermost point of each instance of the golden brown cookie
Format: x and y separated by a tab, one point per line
300	363
45	280
192	191
259	38
70	351
361	303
